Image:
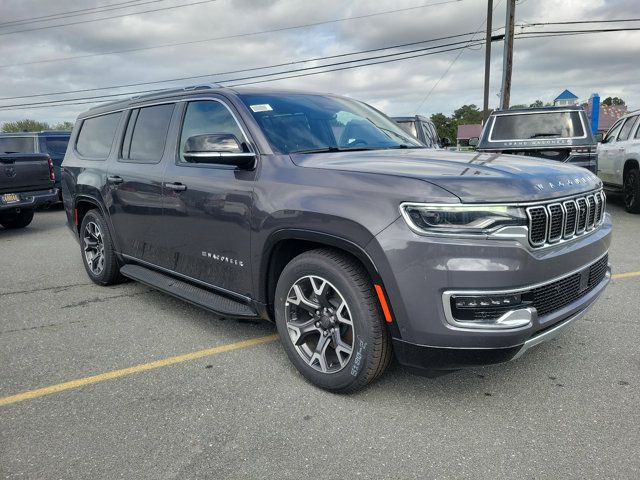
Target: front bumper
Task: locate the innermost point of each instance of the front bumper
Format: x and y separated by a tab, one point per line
425	358
418	271
29	200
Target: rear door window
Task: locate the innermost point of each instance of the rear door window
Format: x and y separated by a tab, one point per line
17	145
543	125
96	136
146	133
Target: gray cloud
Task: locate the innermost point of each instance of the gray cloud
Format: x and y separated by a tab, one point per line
604	63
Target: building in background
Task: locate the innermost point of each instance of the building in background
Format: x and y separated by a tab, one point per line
608	114
465	132
564	99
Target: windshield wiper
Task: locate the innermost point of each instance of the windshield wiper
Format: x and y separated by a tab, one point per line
536	135
334	149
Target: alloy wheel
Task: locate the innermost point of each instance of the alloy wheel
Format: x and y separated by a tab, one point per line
319	324
630	189
94	248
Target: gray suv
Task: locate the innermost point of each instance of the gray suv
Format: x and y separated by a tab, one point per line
321	214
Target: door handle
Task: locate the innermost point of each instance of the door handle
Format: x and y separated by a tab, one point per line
176	186
114	179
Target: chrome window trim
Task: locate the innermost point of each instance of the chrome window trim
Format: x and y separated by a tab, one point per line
447	294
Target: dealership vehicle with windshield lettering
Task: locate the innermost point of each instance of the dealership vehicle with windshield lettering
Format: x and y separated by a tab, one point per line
321	214
554	133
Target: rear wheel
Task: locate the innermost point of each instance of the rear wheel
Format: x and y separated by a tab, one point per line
631	190
329	321
16	219
98	254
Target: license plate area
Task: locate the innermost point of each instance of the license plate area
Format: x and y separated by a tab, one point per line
10	198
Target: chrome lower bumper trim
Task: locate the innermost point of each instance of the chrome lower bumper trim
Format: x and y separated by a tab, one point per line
551	333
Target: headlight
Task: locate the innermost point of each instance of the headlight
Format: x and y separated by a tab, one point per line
467	219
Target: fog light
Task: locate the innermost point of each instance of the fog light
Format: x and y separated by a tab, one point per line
490	311
484	301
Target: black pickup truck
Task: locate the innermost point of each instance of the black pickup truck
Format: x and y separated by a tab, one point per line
26	182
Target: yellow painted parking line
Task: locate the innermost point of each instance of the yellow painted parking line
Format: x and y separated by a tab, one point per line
625	275
80	382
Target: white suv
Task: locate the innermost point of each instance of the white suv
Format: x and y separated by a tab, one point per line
619	160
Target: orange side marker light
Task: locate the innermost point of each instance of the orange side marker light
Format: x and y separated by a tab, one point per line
383	303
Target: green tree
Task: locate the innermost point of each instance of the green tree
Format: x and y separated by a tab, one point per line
517	106
24	126
445	126
613	101
467	114
537	103
63	126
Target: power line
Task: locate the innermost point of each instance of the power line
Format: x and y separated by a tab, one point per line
193	77
576	22
237	35
435	85
286	74
271	74
107	18
76	13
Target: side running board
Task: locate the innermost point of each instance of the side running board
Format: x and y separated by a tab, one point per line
198	296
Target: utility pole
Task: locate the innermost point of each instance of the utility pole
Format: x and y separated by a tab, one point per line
487	61
507	62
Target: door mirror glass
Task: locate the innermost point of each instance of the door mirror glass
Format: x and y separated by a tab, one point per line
598	137
217	148
474	141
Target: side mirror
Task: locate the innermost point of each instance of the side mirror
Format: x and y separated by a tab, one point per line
218	148
474	141
598	137
445	142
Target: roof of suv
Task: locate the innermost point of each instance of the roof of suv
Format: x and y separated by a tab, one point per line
537	109
190	90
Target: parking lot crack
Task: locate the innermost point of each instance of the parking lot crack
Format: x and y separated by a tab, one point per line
58	288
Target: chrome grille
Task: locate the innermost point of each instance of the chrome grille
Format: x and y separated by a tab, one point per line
555	221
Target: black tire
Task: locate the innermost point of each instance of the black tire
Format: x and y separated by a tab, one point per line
15	220
109	271
348	282
631	190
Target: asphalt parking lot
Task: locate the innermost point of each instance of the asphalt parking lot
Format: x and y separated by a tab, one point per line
567	409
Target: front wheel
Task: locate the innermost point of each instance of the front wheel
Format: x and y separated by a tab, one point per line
632	191
329	321
15	220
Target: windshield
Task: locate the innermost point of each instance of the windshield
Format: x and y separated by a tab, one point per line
299	123
526	126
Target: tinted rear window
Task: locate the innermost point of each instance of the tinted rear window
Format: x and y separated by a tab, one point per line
96	136
17	145
541	125
146	133
56	146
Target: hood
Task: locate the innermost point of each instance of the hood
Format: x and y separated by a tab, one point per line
472	177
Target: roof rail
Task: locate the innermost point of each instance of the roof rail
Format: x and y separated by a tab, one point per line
160	93
190	88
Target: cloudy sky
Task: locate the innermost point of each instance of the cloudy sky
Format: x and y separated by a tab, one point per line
77	57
